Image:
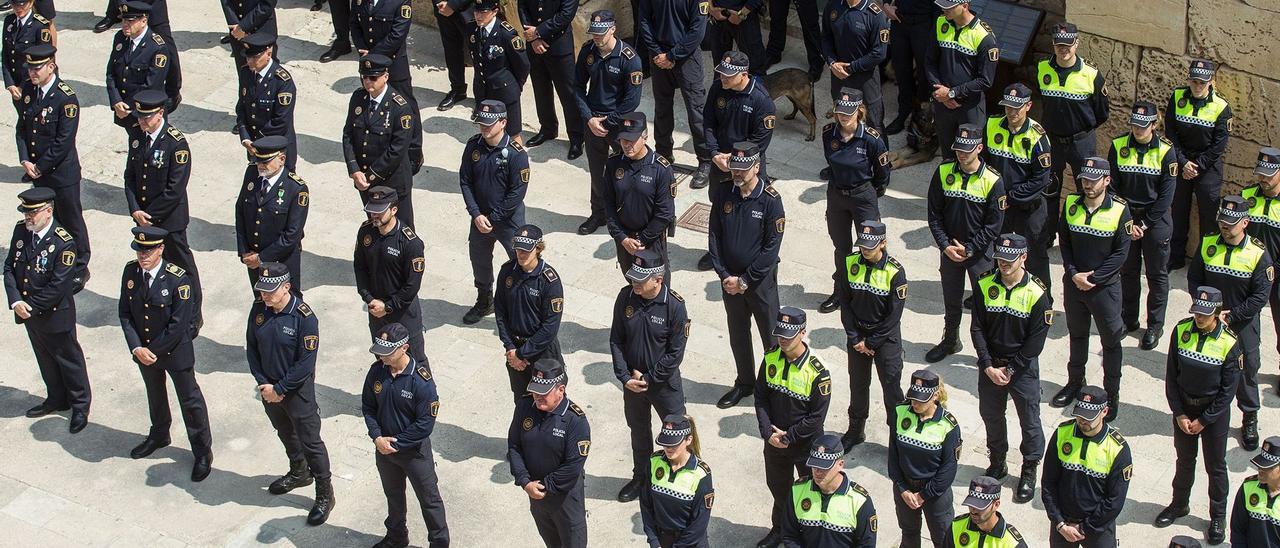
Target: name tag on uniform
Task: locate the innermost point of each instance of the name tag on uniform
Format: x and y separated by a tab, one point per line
534	292
747	109
614	69
288	330
394	252
659	320
557	432
406	394
861	150
646	179
757	214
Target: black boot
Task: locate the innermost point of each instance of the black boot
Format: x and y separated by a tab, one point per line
856	434
997	469
1216	533
700	177
630	491
1113	406
1026	483
1068	393
1249	431
950	345
830	305
299	476
482	308
324	502
898	124
1171	513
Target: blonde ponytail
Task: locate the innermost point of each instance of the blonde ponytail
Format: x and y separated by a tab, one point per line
694	446
942	391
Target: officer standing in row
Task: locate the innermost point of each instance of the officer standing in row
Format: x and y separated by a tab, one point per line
547	446
501	64
1095	231
267	95
1086	474
528	308
548	32
454	18
283	337
389	264
1240	267
271	212
855	41
924	450
139	60
400	405
608	84
911	36
872	297
675	503
1263	199
983	525
961	66
158	20
793	392
494	177
158	303
671	32
1017	147
1012	313
1144	170
1201	375
745	236
647	340
382	28
378	134
966	209
1255	519
48	122
38	281
827	507
246	18
737	23
22	29
640	195
1198	122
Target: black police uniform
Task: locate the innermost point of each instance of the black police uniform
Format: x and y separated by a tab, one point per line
731	116
552	447
807	15
1071	121
501	67
859	36
1025	176
1253	515
676	28
640	200
156	311
389	268
827	532
155	182
745	36
382	28
1205	143
281	349
669	518
910	39
404	406
266	107
926	468
801	416
552	20
528	307
270	222
607	86
39	272
968	68
494	180
376	140
859	174
648	336
1264	224
1082	495
1149	196
135	65
871	313
18	36
158	21
744	239
454	30
253	17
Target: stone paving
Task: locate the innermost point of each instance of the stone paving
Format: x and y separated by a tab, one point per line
83	490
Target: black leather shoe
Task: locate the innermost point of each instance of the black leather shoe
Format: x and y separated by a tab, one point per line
1026	483
1216	533
452	98
44	409
774	538
701	178
104	24
482	308
898	124
1169	514
299	476
1150	338
390	541
704	263
630	491
943	349
225	39
998	469
203	465
1067	395
338	49
539	138
575	150
1249	431
733	396
80	420
854	437
830	305
147	447
325	502
825	174
589	226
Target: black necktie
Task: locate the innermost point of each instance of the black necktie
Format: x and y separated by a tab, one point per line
266	186
373	104
146	277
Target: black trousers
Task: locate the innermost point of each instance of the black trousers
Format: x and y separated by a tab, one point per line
405	88
340	14
561	519
869	84
1274	300
760	302
555	72
909	44
1102	539
62	366
807	13
520	379
625	259
667	539
685	76
846	209
1153	252
1207	190
746	36
598	150
178	251
1213	441
936	514
480	250
195	414
947	121
69	213
954	283
1067	151
1029	220
1249	335
888	362
1101	306
297	423
419	467
294	263
453	36
637	409
1024	387
781	468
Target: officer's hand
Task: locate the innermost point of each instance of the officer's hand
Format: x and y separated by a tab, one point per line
721	161
383	444
121	109
377	308
636	385
596	125
940	92
540	46
1195	427
237	32
268	393
1225	317
360	181
951	104
31	170
141	217
1081	279
663	61
22	309
1137	232
840	70
16	92
362	52
1190	170
482	224
530	33
891	11
144	356
912	500
955	252
444	9
632	245
717	14
998	375
861	347
247	144
535	489
251	260
1071	533
734	18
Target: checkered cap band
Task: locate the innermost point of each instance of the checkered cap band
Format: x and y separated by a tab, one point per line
600	26
525	240
815	454
869	237
1144	118
968	141
548	380
1268	456
744	159
1206	304
1089	406
678	433
1093	172
489	115
790	326
282	278
1201	71
646	270
1010	250
1233	213
1268	165
847	103
923	389
975	494
726	65
390	344
1015	99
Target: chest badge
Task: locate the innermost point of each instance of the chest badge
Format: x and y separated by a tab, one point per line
906	423
1182	103
999	139
1211	251
129	285
855	268
591	59
527	424
359	109
773	370
835	145
1047	79
249	187
377	387
660	473
1186	336
1124	152
367	240
964	537
475	156
18	244
720	103
259	319
728	207
507	282
618	173
992	292
1075	209
629	311
1067	448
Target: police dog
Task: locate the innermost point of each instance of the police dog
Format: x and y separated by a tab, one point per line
794	84
922	140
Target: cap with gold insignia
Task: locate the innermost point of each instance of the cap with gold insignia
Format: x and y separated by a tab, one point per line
35	198
1270	455
1268	160
1095	168
1183	541
968	137
547	374
847	101
1142	114
1232	209
675	428
1206	300
924	384
527	238
256	43
1202	70
148	237
791	322
271	277
488	112
733	63
389	338
374	64
634	124
381	198
1091	401
134	9
824	452
646	264
267	148
983	490
1010	246
1016	95
39	54
148	102
1065	34
601	22
870	234
745	155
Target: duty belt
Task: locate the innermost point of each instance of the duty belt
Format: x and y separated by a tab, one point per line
1202	401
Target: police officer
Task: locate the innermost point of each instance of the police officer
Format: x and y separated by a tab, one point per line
1198	122
1017	147
828	508
400	404
1263	199
38	282
924	450
966	208
501	64
737	23
608	83
793	391
494	177
22	29
961	66
283	337
158	302
382	28
647	339
548	32
547	446
1012	312
675	503
266	103
48	122
744	236
1095	232
640	195
857	152
271	212
855	41
378	134
871	300
1144	170
528	308
982	526
340	15
139	60
1240	267
1086	474
245	18
807	14
389	263
1075	104
911	36
454	18
1255	520
158	21
671	32
1201	375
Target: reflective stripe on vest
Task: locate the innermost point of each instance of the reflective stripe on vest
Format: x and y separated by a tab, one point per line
1103	223
1257	503
1077	87
1017	302
798	381
1129	161
1213	251
962	537
1101	456
965	41
975	188
1215	349
1261	208
683	484
1001	142
1185	112
866	277
929	437
842	509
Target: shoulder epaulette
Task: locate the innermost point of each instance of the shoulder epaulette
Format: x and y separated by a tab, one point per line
135	261
829	128
20	223
994	171
801	480
1251	477
1186	320
992	272
550	273
40	18
1116	436
65	88
577	410
62	233
422	372
772	191
875	8
408	233
1013	531
304	309
985	25
658	453
175	270
895	263
175	133
951	418
516	145
283	74
1039	128
663	160
1040	283
628	52
508	26
874	133
703	465
853	484
772	348
816	363
159	40
1166	140
1118	198
296	178
399	99
616	153
676	295
366	223
1255	241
